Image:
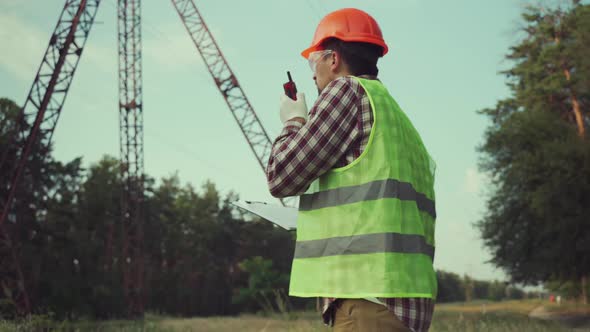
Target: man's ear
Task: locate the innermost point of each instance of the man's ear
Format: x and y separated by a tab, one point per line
336	63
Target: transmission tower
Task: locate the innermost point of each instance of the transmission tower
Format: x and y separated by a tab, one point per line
40	113
34	129
131	135
226	81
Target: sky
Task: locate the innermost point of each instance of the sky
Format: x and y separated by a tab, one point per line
443	65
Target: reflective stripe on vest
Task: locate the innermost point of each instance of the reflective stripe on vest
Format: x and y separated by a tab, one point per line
367	230
364	244
387	188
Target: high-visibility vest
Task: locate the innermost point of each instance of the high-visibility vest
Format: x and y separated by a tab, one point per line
367	229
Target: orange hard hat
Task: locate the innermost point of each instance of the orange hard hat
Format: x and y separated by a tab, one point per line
349	25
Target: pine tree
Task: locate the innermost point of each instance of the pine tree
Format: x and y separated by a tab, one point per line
537	154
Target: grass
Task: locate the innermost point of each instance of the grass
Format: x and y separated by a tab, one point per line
505	316
569	308
446	321
245	323
295	322
522	307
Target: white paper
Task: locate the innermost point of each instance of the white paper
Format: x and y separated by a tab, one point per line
285	217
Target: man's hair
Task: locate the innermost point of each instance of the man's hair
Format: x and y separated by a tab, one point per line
360	58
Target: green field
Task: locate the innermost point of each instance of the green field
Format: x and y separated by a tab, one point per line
480	316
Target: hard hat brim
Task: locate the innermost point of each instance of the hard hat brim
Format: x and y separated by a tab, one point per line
368	39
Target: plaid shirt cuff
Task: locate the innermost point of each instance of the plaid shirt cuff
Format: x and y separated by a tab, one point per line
292	126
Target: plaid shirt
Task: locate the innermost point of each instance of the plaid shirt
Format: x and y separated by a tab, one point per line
336	134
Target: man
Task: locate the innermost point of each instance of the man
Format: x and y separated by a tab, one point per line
365	230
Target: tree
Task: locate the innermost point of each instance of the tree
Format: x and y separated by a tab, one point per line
450	287
266	286
97	239
496	291
481	289
8	114
468	286
551	64
28	207
65	232
568	289
536	153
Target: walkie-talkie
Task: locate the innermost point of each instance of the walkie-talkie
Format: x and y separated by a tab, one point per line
290	88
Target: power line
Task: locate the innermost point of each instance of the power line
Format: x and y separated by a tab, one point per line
315	9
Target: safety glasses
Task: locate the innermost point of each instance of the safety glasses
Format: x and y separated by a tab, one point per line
315	57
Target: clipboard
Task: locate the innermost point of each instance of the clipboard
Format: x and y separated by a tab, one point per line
285	217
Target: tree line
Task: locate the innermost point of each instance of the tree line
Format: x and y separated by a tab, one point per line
455	288
536	153
198	250
201	256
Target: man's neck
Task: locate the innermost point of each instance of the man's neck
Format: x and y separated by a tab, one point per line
344	73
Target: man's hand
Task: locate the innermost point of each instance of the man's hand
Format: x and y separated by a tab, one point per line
293	109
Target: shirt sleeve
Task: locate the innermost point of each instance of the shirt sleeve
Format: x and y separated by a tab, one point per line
302	153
